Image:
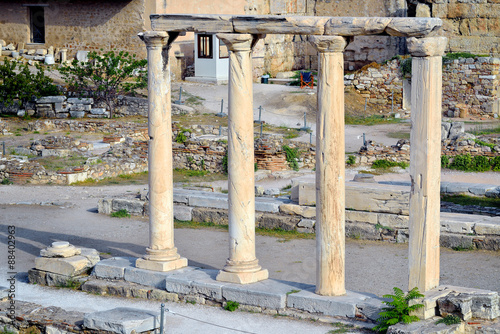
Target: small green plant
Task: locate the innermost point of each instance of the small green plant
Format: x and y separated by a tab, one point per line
36	132
449	320
382	227
386	164
231	306
193	302
225	163
122	213
292	154
445	161
351	160
292	291
6	181
6	331
463	248
406	67
71	284
483	143
180	138
341	328
398	309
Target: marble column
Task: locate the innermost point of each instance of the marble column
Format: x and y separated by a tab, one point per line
425	161
330	167
161	255
242	265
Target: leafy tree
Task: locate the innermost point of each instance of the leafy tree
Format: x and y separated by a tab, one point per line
19	85
105	77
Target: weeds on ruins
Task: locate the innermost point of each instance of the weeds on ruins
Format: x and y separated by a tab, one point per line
449	320
105	77
398	309
231	306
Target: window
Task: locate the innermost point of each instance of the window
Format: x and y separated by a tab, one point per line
37	24
205	43
223	51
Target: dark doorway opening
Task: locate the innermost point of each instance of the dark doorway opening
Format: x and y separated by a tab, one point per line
37	24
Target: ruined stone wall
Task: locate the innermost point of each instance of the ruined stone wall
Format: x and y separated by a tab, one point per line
471	25
79	25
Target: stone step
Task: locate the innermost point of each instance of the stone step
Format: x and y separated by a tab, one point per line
123	320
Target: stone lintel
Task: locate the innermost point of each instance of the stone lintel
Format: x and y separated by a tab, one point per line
427	47
328	43
238	42
297	25
161	265
242	277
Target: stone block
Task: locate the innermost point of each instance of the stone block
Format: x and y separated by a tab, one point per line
307	223
269	293
55	330
195	281
426	326
201	23
82	56
155	279
123	320
311	25
304	211
98	111
485	305
393	221
267	206
218	217
113	268
208	201
458	188
404	27
105	205
77	113
306	193
132	206
481	189
51	99
80	100
343	306
493	193
70	266
375	197
455	304
487	228
181	197
456	241
182	212
360	217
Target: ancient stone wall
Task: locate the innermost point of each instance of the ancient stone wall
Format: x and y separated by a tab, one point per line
79	25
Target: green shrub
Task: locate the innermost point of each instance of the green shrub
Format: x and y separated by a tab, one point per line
351	160
406	67
6	181
398	309
231	306
105	77
445	161
225	163
462	162
291	155
456	55
480	163
495	164
18	84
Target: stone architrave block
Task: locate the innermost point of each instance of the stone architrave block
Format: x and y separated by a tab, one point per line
132	206
113	268
80	100
344	306
455	304
309	25
352	26
198	23
416	27
182	212
123	320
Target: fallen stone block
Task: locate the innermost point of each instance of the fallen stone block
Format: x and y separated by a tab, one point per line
123	320
184	213
304	211
105	206
455	304
69	266
132	206
426	326
113	268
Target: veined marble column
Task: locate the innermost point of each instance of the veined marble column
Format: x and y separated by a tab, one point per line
425	161
242	266
330	167
161	255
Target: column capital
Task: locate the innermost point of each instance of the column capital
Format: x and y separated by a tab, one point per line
240	42
427	47
328	43
154	38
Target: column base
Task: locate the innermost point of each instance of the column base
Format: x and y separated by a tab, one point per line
242	278
161	265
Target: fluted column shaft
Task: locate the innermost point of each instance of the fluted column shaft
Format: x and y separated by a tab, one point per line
425	161
242	265
330	167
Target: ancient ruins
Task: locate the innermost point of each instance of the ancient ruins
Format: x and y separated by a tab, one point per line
330	37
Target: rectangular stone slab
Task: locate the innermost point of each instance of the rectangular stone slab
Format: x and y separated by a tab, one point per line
272	24
123	320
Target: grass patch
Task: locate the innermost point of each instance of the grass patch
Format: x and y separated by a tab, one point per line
6	181
386	164
469	200
463	248
369	120
399	135
449	320
341	328
191	173
59	163
188	175
124	179
198	225
282	234
123	213
478	131
71	284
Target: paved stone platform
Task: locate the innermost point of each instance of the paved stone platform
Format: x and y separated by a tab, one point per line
268	295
